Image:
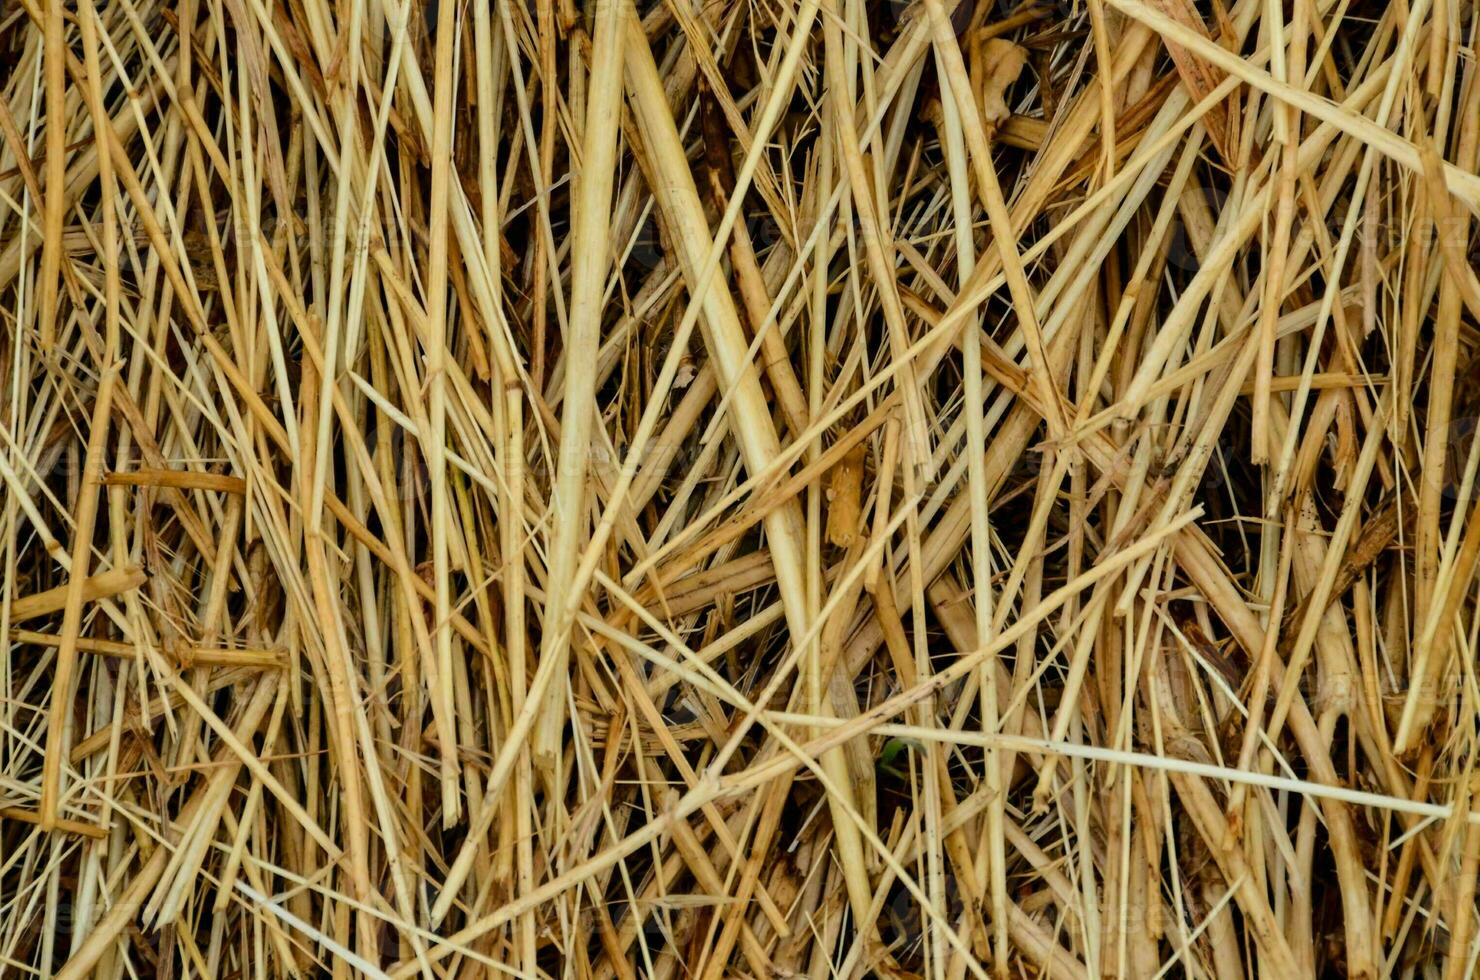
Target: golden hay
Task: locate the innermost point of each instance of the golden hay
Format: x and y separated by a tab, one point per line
818	488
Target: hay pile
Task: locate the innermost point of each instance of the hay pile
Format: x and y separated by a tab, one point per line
826	488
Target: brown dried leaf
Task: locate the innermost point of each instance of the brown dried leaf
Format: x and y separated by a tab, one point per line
1200	77
996	65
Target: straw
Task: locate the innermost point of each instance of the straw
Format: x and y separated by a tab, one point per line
651	489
